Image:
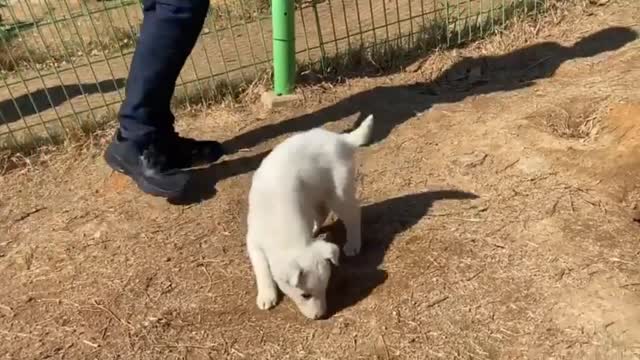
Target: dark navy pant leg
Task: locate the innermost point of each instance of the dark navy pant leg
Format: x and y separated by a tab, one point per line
168	34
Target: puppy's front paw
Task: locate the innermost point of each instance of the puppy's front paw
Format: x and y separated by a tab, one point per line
267	299
351	248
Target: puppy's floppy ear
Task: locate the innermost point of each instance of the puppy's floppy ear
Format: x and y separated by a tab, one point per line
326	250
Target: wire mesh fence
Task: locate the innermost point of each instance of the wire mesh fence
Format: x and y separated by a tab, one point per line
64	63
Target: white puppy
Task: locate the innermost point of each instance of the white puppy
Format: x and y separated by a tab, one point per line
291	194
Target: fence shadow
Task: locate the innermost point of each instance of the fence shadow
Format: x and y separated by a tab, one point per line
42	99
393	105
382	222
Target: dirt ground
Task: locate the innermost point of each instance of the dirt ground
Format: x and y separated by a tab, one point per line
501	203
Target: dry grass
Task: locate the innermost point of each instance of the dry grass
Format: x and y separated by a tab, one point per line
584	127
16	152
46	38
113	31
577	118
47	46
541	265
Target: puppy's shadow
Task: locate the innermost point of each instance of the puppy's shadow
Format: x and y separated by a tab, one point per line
356	277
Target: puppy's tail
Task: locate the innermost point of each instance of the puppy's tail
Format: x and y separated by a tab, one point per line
361	134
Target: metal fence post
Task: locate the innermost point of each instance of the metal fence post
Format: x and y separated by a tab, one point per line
284	47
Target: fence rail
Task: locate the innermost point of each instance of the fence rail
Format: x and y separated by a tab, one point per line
64	63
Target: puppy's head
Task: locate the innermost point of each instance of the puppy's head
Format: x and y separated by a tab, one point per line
304	279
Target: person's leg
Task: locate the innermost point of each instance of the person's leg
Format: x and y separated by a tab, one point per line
169	31
146	146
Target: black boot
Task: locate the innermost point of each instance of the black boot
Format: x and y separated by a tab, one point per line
161	167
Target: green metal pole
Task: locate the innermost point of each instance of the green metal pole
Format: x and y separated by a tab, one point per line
284	46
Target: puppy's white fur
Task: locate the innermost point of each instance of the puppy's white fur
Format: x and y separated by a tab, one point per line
292	192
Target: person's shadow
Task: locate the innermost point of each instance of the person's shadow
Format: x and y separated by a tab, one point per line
356	277
393	105
25	105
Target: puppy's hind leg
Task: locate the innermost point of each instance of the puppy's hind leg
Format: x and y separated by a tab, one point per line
266	286
347	208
